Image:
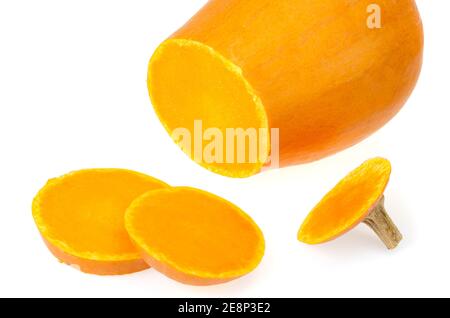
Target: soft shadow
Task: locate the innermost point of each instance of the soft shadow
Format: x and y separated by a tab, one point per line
236	287
361	242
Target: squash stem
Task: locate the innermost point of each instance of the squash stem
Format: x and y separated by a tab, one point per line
380	222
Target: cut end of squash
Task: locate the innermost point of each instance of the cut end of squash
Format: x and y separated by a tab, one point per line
194	237
81	219
348	204
189	82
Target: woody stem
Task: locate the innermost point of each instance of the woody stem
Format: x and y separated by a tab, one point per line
380	222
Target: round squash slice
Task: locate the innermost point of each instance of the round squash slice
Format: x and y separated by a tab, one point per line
81	219
193	236
357	198
316	76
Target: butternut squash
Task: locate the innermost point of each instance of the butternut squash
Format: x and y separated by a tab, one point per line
81	219
358	198
316	70
194	237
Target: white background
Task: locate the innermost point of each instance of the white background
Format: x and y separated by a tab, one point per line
73	95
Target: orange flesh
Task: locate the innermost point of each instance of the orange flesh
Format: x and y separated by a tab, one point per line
196	83
312	69
81	218
193	236
348	203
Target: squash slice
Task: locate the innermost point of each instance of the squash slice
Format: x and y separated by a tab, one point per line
81	219
357	198
193	236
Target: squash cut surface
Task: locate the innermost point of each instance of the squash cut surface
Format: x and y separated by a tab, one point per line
81	218
196	83
193	236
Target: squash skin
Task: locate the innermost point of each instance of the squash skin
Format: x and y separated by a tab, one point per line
326	80
184	278
100	268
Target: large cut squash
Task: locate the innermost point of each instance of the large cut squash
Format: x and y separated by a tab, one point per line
326	73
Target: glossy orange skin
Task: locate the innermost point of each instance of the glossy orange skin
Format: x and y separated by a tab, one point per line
326	79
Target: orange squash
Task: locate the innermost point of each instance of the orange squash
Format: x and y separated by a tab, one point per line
315	70
194	237
358	198
81	219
